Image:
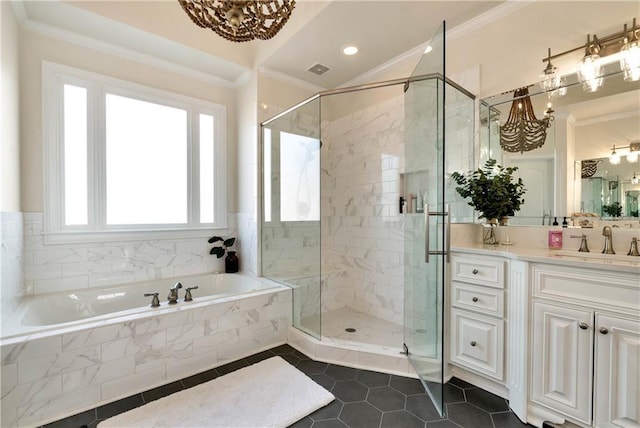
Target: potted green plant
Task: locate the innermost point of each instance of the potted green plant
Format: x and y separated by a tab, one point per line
231	261
492	190
613	210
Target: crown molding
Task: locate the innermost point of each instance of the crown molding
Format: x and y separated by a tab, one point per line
268	72
112	49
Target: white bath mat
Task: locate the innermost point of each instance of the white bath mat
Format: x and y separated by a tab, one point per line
271	393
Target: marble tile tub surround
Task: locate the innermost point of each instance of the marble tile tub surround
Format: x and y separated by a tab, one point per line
59	267
537	236
11	269
54	375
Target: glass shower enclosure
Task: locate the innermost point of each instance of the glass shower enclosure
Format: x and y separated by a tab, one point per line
354	216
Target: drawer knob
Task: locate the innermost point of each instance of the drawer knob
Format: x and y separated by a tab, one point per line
475	271
473	343
475	299
583	325
604	330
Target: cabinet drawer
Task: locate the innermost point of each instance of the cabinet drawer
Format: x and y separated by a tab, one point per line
478	270
489	301
478	343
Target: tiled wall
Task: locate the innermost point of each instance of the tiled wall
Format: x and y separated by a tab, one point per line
50	268
362	231
47	378
12	273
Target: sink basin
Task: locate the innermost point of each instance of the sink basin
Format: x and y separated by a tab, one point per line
598	257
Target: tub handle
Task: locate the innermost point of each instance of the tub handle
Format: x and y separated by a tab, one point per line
155	302
187	295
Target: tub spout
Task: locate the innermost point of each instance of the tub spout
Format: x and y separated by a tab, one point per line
173	293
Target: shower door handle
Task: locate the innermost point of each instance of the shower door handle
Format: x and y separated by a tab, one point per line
447	234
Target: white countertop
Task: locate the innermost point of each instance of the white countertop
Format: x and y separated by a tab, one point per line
618	262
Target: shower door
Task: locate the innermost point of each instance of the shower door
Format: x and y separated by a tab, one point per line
425	227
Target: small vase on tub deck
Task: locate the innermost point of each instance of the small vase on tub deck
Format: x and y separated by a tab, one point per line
231	262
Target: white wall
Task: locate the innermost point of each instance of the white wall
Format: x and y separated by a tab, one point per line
11	221
9	108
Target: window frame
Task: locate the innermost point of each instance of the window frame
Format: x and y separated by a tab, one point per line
54	78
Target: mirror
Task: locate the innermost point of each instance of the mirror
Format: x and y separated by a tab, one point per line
584	127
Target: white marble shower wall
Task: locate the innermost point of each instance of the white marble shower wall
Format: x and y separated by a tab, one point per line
11	271
59	267
48	377
362	231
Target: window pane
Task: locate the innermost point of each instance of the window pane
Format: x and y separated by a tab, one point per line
146	168
206	168
300	178
75	155
267	174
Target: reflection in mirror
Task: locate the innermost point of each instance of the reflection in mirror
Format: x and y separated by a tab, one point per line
584	126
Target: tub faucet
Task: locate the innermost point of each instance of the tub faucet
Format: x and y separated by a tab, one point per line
173	293
608	241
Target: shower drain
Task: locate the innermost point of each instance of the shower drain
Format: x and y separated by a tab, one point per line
350	330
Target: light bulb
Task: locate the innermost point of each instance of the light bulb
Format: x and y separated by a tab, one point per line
590	73
635	179
632	157
614	159
630	61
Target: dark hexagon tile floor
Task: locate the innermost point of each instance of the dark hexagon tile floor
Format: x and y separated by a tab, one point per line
364	399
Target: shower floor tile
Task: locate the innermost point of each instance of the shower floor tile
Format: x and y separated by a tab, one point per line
369	330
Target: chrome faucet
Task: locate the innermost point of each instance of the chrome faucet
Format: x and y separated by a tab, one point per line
173	293
633	250
608	241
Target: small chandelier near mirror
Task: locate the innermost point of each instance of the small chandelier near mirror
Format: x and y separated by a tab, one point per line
240	21
523	132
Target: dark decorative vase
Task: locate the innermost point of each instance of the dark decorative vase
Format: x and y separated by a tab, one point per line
231	262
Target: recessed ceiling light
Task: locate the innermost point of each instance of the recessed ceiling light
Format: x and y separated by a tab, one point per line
350	50
428	49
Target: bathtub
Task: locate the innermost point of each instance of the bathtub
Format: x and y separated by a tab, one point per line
63	353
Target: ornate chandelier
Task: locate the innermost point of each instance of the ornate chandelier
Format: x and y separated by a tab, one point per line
523	131
240	21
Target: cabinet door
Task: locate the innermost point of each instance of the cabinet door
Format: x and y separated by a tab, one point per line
477	343
617	394
562	370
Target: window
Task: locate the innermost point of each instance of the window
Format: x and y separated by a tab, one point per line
293	162
126	158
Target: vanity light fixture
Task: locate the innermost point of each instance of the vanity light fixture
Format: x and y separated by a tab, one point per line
240	21
635	179
623	46
551	82
590	72
632	156
614	159
630	60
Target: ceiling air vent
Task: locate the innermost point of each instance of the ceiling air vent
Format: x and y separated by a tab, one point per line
318	69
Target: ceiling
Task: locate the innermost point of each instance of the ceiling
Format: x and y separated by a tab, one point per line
316	32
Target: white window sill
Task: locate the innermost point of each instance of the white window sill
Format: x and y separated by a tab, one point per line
75	237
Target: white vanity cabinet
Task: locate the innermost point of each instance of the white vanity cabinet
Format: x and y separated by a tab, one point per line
586	344
477	314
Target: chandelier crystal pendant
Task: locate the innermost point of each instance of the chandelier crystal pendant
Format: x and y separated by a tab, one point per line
240	21
590	72
523	132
